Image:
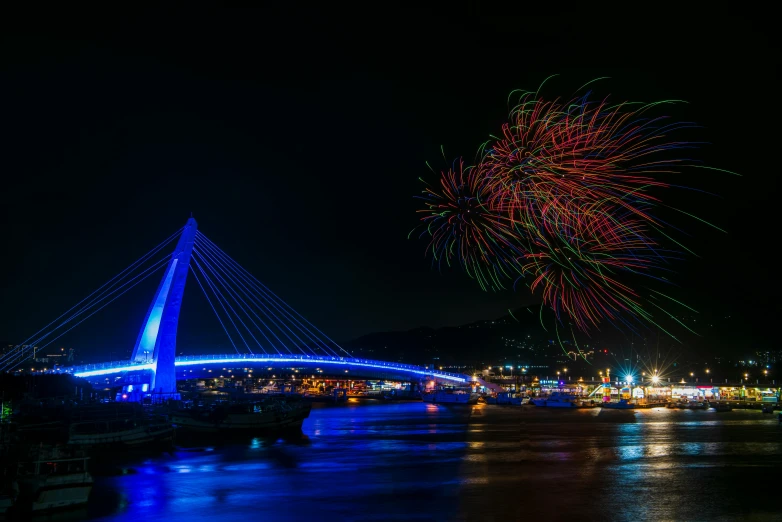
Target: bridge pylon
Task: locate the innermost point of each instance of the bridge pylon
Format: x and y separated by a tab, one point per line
156	343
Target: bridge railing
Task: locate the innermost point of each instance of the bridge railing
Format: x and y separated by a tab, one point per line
133	365
315	358
105	366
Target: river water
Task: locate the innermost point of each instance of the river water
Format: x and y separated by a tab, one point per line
422	462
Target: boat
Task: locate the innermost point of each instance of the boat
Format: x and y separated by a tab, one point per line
451	396
9	489
271	414
337	395
51	478
557	400
7	500
402	395
124	425
623	404
723	406
507	398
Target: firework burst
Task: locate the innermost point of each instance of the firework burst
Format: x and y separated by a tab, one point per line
580	150
565	199
464	229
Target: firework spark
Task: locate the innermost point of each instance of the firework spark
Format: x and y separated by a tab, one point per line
565	200
464	229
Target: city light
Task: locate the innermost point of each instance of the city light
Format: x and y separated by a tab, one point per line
629	378
655	379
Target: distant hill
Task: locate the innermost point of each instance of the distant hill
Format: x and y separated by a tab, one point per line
520	338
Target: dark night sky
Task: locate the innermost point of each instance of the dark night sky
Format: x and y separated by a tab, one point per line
297	142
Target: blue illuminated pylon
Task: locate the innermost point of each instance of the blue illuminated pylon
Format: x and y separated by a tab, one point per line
156	342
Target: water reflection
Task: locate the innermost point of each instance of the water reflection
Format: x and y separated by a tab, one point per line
416	461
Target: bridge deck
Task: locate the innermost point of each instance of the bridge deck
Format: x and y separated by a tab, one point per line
190	362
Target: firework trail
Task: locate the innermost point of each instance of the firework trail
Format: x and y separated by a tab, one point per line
564	199
579	150
463	228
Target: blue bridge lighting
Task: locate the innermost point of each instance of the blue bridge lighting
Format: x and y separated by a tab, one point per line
263	330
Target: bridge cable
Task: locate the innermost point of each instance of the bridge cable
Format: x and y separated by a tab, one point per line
114	288
213	309
254	300
110	283
84	309
242	307
209	263
221	300
266	292
230	293
257	298
290	318
219	295
263	308
151	271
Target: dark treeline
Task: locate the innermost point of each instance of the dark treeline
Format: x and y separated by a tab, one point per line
42	386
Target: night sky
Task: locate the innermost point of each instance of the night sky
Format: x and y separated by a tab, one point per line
297	142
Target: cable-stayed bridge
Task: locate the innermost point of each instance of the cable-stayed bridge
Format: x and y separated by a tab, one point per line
262	329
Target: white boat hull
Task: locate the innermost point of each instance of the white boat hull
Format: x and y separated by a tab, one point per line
61	498
135	437
57	491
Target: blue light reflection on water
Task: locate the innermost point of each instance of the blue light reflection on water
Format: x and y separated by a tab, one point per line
349	460
415	461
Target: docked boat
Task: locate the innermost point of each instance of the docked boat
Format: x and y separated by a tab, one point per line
557	400
402	395
124	425
623	404
9	489
272	414
52	478
722	406
7	500
507	398
451	396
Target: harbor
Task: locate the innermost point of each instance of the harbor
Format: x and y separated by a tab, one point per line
54	448
386	454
